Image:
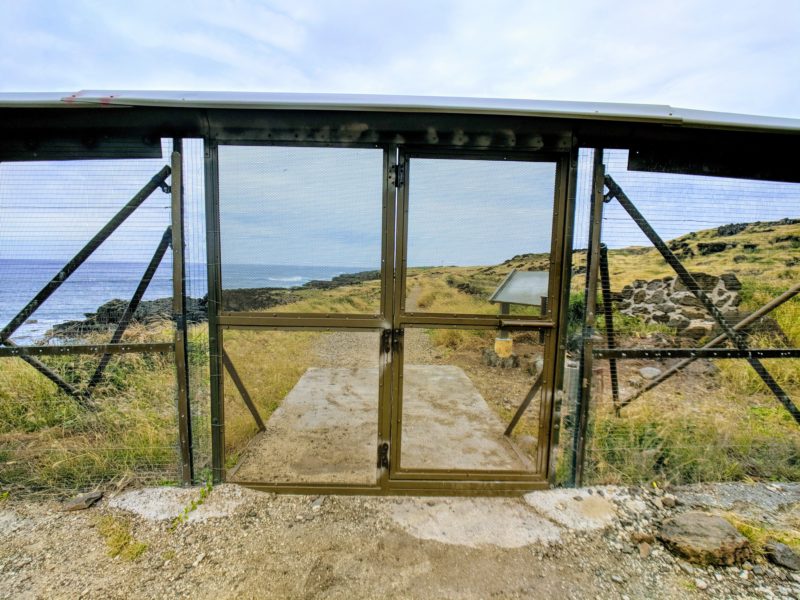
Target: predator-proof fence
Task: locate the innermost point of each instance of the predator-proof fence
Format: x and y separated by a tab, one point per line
369	301
101	317
684	354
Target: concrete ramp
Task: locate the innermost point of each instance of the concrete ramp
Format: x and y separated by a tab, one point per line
325	431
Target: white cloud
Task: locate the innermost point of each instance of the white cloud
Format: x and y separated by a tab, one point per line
718	55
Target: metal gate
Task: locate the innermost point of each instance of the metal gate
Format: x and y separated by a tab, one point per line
384	320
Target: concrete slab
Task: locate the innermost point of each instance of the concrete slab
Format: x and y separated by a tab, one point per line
575	509
473	522
326	428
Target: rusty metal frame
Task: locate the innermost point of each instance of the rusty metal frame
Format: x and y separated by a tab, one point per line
220	320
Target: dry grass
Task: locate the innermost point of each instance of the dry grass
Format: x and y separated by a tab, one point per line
730	429
118	538
269	363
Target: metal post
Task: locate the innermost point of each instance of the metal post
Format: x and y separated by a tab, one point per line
562	307
179	316
590	300
214	303
77	260
608	317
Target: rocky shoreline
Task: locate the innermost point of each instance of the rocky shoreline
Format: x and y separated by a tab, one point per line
108	315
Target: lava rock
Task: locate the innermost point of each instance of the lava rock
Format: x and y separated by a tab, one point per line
704	539
781	555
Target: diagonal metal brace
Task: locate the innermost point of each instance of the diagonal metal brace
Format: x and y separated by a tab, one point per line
741	325
237	381
125	320
85	252
614	191
524	406
51	375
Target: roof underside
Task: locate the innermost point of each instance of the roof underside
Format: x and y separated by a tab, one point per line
601	111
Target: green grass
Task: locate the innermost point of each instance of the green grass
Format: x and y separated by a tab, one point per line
118	538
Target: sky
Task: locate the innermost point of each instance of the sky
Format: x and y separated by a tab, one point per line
726	55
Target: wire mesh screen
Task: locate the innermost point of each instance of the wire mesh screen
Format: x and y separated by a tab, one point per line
91	238
196	297
724	278
479	236
575	312
300	229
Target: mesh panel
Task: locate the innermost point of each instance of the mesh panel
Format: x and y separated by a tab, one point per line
470	224
713	419
317	395
51	440
294	221
460	397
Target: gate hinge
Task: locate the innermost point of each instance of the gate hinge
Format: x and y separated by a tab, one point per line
383	455
397	175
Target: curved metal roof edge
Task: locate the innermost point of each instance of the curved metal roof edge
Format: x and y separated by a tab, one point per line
605	111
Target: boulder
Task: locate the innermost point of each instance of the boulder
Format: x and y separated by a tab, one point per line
704	539
782	555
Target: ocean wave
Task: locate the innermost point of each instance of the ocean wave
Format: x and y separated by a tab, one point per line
288	279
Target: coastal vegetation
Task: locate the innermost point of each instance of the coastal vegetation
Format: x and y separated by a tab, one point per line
716	421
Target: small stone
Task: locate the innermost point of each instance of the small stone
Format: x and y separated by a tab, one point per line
199	558
649	372
685	567
747	566
758	570
781	555
617	579
718	576
745	575
578	498
644	550
638	537
700	584
627	549
658	503
82	502
669	501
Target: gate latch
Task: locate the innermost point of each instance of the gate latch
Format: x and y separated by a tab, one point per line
383	455
386	341
390	340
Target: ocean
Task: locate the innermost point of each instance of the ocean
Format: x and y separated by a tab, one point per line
96	282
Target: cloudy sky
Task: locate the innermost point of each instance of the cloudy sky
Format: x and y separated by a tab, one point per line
727	55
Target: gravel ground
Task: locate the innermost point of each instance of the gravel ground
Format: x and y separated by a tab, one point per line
244	544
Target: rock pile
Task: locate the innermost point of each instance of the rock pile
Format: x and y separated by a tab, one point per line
669	302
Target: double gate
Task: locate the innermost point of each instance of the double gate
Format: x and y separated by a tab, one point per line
385	319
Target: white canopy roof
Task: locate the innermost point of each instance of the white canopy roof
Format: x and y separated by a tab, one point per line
606	111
